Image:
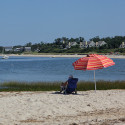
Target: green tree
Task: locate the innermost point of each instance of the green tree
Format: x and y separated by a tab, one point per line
58	41
28	44
81	39
1	49
95	39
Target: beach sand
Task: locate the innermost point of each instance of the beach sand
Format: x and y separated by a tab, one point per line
48	108
69	56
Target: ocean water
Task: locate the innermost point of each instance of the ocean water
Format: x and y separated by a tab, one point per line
32	69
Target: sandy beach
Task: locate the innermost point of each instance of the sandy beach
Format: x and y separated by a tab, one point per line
49	108
68	56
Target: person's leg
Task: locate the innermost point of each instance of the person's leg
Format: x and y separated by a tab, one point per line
62	87
70	90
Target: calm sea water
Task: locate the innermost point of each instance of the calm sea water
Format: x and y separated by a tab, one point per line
54	69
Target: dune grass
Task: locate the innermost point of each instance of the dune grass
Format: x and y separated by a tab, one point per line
101	85
55	86
30	86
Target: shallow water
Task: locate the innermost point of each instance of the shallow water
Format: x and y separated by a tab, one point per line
54	69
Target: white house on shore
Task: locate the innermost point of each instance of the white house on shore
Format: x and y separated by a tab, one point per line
100	43
8	48
122	45
87	44
27	49
19	49
70	44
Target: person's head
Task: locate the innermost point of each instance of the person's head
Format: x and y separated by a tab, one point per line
70	76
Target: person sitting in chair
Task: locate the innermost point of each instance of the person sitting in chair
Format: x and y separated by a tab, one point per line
70	85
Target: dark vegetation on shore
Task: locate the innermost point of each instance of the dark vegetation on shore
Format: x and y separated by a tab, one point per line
55	86
60	45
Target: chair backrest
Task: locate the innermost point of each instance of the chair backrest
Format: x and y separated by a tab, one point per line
72	83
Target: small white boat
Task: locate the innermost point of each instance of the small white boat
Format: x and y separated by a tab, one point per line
5	57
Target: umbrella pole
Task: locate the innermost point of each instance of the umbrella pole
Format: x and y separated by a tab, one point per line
94	80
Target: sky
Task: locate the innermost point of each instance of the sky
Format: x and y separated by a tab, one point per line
23	21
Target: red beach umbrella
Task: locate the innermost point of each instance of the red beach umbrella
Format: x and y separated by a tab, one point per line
93	62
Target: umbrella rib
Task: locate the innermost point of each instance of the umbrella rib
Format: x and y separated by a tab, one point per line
87	62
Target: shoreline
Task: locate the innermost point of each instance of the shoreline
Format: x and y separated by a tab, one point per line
63	56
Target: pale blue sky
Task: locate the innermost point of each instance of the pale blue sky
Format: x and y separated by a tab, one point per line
23	21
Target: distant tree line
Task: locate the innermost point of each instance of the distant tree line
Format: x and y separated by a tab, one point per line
59	45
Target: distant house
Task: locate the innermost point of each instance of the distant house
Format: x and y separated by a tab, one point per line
70	44
19	49
91	44
9	48
100	43
37	50
83	44
87	44
27	49
122	45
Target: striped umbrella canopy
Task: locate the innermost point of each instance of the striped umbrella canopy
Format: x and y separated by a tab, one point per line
93	62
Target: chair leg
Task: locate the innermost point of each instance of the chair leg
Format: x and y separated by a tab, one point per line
65	92
75	91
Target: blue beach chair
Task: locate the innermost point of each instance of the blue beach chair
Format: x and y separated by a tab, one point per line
72	86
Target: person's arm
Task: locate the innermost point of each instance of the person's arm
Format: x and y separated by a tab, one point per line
65	83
